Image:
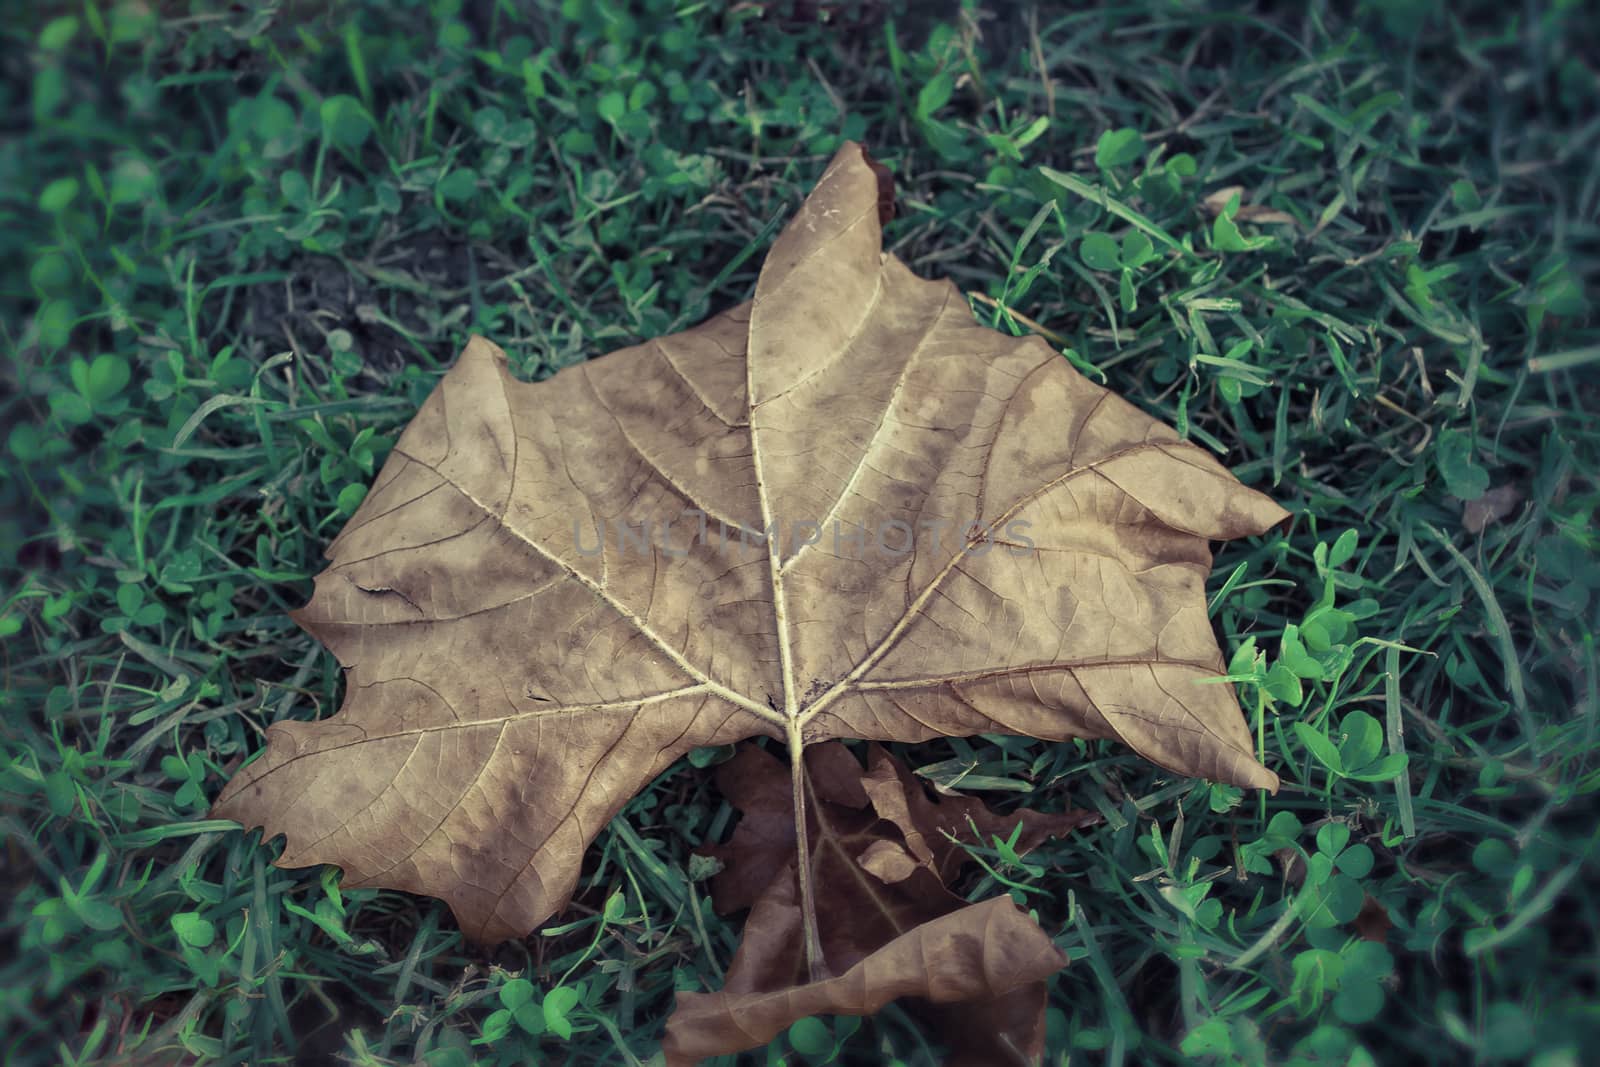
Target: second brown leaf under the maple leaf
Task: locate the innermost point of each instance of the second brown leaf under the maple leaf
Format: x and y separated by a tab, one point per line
882	856
507	692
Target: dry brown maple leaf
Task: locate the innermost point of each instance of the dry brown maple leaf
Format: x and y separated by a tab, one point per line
881	856
1032	560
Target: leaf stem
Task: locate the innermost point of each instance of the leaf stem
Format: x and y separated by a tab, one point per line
816	967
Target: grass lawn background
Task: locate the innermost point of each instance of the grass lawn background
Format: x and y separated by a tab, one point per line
241	243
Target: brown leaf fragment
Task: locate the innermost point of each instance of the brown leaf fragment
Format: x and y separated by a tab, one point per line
881	862
888	861
986	957
929	824
1372	922
538	608
1217	199
1264	215
1294	868
1492	507
1216	202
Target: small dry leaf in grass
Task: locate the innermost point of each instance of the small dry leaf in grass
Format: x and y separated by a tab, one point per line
1216	202
1490	508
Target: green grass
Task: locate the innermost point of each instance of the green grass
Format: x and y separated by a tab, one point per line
239	248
